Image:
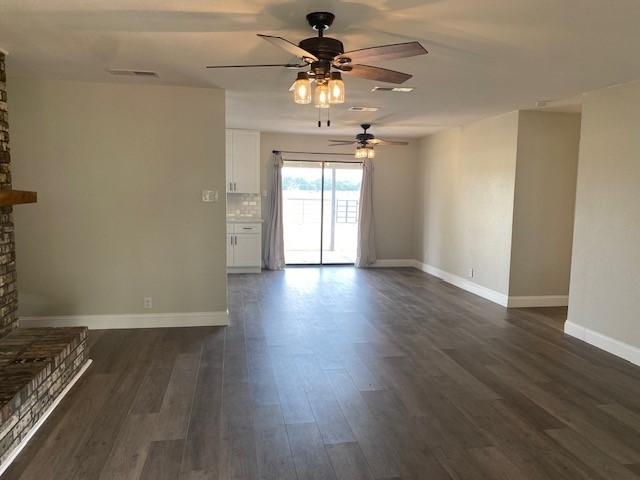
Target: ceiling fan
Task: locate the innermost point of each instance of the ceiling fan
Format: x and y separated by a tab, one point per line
365	143
326	60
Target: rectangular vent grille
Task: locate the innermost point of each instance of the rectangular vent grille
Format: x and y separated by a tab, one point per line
364	109
392	89
132	73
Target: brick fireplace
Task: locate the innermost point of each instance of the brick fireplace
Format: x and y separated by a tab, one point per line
8	292
37	365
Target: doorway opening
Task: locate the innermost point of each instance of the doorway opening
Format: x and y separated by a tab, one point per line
320	202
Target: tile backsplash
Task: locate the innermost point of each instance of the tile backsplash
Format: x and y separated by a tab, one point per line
244	205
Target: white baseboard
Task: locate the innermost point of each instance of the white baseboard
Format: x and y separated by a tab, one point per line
144	320
608	344
16	451
484	292
244	269
539	301
390	263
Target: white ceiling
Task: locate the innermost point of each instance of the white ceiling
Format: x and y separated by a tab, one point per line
486	56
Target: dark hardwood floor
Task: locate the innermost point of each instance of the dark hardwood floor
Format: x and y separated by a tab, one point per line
338	373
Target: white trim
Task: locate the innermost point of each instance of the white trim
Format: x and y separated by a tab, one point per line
539	301
392	262
574	330
244	270
23	443
484	292
144	320
603	342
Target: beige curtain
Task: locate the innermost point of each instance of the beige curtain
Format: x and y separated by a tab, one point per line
366	253
274	232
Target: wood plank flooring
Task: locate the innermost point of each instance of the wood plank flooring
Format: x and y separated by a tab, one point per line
339	373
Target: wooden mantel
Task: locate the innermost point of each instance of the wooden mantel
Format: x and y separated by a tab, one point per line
16	197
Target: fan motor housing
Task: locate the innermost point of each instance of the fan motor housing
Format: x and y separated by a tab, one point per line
325	48
364	137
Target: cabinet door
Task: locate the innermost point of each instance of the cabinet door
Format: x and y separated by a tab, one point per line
229	160
229	250
247	251
246	161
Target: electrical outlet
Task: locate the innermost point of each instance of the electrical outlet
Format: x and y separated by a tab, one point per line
471	272
210	196
147	302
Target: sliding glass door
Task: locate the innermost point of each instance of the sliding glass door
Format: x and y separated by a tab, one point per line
320	210
302	212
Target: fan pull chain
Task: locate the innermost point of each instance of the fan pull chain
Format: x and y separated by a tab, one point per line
328	117
319	117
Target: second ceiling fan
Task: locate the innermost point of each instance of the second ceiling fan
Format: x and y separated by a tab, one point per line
365	142
326	60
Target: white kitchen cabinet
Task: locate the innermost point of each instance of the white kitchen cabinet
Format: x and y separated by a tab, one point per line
243	161
244	247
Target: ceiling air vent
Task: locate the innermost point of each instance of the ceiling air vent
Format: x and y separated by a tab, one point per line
364	109
391	89
132	73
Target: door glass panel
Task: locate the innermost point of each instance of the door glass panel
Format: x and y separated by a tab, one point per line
340	218
301	205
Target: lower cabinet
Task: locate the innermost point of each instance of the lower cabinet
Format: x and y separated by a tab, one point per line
244	247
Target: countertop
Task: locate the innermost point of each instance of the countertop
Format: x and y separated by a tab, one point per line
244	220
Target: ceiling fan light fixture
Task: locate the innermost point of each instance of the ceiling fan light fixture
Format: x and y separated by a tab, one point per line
365	152
321	99
302	89
336	88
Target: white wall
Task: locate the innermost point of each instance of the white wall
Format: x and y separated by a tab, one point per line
544	203
119	171
605	271
465	188
393	187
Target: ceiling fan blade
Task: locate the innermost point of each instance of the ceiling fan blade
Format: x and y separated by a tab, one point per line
377	141
377	73
381	53
289	47
285	65
341	143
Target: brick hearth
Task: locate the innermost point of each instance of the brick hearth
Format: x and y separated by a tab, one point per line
36	364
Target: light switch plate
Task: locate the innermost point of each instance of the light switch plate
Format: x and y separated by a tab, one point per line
210	196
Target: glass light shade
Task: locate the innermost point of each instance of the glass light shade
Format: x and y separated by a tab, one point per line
322	95
302	89
336	88
365	152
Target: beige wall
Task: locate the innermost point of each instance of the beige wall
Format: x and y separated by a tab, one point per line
605	270
465	200
393	187
119	171
544	203
438	227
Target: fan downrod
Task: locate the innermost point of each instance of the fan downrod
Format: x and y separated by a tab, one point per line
325	48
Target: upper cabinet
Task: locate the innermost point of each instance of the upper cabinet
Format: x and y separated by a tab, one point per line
243	161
